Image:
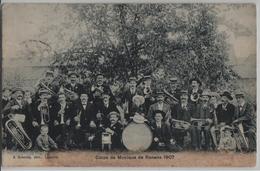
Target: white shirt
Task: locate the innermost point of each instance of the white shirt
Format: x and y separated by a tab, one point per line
160	106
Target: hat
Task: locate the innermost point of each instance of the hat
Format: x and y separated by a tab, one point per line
140	98
132	78
159	92
214	94
7	88
227	94
113	113
18	89
173	79
206	93
73	73
97	90
239	93
49	73
99	73
159	111
195	79
43	91
184	92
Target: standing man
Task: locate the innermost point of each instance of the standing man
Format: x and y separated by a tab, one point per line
182	112
159	105
194	93
244	113
73	85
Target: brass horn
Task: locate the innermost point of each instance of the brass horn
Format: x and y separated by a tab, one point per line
18	133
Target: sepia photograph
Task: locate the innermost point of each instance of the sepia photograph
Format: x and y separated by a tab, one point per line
129	85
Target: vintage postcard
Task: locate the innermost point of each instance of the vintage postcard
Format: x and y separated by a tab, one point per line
129	85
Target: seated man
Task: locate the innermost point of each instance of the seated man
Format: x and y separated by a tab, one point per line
115	129
163	138
44	142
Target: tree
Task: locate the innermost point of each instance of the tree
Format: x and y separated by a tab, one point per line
136	39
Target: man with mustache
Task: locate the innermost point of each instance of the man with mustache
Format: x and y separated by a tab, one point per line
161	106
203	112
82	122
115	129
194	93
100	84
245	114
17	106
73	85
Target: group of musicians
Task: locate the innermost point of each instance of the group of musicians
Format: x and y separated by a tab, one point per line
76	116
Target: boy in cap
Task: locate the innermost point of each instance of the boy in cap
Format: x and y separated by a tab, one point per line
244	113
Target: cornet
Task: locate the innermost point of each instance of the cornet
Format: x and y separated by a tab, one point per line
61	113
45	115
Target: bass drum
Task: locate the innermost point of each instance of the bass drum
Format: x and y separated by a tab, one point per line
137	137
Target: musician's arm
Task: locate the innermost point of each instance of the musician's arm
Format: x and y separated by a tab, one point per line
7	108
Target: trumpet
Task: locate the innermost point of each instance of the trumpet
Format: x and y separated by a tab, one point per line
45	115
61	113
18	133
170	96
78	124
47	88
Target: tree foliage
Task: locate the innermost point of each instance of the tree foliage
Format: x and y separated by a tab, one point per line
137	39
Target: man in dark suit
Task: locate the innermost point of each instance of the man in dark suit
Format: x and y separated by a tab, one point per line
195	92
182	112
83	122
73	85
114	128
204	114
100	84
159	105
128	97
17	106
64	112
244	113
43	113
224	114
162	134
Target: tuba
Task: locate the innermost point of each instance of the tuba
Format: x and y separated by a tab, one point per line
45	115
17	132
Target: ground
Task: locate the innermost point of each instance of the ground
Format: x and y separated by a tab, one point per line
129	159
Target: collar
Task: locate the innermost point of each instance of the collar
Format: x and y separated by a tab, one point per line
195	90
242	105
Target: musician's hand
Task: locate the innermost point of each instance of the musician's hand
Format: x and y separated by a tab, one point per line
56	123
108	130
222	124
172	141
209	120
156	139
124	122
90	138
76	118
15	107
35	124
92	124
99	115
68	122
93	88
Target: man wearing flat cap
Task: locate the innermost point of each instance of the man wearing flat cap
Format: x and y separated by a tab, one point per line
245	114
159	105
73	84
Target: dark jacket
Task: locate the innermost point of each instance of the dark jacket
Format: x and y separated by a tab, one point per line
182	114
86	115
225	115
164	134
78	88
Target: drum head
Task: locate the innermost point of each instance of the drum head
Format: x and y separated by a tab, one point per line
137	137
